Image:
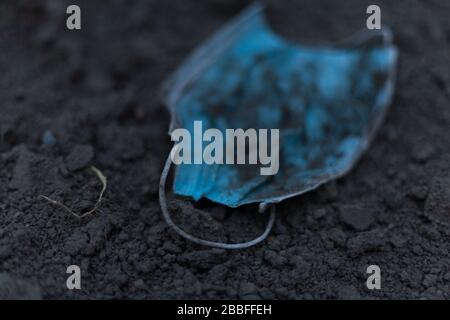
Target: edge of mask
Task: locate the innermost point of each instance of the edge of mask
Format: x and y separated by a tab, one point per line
204	55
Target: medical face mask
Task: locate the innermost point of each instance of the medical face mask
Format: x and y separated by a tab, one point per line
326	104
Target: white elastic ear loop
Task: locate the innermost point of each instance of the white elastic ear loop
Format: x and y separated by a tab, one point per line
181	232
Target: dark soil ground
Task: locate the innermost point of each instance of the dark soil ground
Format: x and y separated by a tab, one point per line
71	99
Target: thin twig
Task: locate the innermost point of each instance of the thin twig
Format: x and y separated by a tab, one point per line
102	179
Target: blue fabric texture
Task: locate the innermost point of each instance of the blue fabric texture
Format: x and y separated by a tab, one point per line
327	102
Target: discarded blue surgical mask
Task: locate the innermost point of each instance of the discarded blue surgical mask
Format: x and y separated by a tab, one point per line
327	102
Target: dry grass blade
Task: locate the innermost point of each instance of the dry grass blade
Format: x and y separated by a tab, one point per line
102	179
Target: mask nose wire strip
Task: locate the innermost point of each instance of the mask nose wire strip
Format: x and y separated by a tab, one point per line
184	234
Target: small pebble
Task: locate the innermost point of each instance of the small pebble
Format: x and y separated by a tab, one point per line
48	138
358	217
80	157
419	192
